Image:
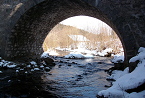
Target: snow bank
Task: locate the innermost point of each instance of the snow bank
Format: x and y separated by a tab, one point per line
78	55
89	56
128	81
105	52
140	56
74	56
118	59
117	74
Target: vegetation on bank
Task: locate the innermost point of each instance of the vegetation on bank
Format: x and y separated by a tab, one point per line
102	39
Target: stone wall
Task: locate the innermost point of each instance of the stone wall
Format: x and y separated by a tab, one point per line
24	26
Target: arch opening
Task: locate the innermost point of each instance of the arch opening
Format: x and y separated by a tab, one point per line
82	34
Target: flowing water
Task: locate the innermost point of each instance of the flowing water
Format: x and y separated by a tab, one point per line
78	78
69	78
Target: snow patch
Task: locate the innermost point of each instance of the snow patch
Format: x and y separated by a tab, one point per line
45	55
36	69
75	56
118	59
140	56
117	74
105	52
127	81
11	66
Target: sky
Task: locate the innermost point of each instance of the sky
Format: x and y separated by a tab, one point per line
86	23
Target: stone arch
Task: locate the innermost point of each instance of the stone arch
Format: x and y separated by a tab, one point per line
27	35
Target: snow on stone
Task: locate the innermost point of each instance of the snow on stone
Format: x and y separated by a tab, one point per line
118	59
8	64
32	69
1	63
117	74
33	63
21	69
136	95
49	52
105	52
36	69
89	56
26	72
140	56
9	80
47	68
17	70
28	66
75	56
128	81
41	66
45	55
11	66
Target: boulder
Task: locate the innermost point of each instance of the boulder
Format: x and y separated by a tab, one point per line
48	61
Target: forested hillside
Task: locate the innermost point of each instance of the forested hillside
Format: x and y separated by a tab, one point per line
59	37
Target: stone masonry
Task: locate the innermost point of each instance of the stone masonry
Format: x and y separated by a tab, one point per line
24	24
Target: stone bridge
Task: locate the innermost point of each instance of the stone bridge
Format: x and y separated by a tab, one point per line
24	24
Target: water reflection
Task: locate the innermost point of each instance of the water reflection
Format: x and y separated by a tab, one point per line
82	79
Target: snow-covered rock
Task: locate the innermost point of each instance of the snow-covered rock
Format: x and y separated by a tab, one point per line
41	66
26	72
45	55
33	63
32	69
11	66
36	69
28	66
17	70
74	56
128	80
118	59
118	73
105	52
140	56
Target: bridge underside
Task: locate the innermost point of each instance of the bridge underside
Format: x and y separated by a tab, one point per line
25	39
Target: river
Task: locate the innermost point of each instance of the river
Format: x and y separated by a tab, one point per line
78	78
69	78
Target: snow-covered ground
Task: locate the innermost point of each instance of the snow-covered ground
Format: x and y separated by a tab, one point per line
85	53
126	80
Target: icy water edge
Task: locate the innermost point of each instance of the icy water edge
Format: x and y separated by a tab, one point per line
69	78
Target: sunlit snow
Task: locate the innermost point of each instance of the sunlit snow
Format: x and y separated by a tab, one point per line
128	80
